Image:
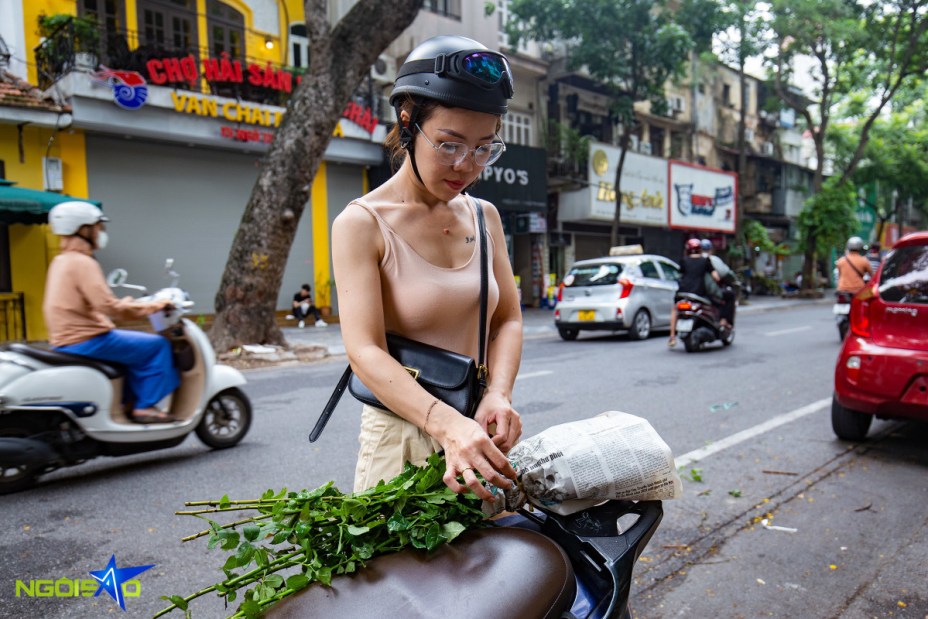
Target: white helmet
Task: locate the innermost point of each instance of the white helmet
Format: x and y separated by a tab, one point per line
68	217
855	243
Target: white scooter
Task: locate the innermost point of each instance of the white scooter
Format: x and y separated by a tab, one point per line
59	409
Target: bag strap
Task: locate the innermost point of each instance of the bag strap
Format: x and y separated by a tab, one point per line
481	335
856	270
482	370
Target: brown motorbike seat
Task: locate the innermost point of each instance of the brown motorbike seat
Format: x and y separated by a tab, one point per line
500	573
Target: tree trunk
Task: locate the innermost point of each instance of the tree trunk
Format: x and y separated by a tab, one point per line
339	59
742	146
623	144
809	282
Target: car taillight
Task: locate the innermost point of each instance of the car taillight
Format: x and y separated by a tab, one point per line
626	288
560	292
557	314
860	317
684	305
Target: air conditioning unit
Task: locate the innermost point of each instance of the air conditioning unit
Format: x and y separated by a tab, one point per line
384	70
633	143
52	174
644	148
767	148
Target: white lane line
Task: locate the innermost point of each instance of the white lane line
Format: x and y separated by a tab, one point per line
785	331
534	374
739	437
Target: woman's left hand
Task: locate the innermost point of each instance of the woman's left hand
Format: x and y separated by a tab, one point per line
496	415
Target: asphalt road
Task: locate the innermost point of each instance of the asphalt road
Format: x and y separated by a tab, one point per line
751	422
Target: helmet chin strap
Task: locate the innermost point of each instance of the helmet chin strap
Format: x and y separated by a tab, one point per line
408	138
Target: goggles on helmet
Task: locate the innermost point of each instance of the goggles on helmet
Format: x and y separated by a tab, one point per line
483	68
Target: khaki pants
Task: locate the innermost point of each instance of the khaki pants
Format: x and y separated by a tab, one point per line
387	443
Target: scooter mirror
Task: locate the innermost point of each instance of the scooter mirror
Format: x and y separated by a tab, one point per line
117	277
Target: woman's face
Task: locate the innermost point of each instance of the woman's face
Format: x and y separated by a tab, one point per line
473	129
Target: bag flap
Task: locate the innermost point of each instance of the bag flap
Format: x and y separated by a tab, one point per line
429	364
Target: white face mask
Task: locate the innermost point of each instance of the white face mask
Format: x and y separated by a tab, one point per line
102	239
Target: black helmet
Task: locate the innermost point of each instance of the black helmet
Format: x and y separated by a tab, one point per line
457	72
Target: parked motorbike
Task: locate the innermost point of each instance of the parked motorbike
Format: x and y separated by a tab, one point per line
699	322
842	311
59	409
537	564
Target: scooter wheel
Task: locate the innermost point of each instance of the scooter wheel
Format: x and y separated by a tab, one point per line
226	420
17	477
729	337
690	344
842	329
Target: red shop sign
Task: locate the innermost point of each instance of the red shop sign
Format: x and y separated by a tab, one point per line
218	70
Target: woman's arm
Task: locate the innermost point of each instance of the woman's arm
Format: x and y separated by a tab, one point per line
98	294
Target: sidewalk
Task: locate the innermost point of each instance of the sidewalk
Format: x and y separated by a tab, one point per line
536	322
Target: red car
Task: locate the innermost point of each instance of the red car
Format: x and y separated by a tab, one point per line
882	370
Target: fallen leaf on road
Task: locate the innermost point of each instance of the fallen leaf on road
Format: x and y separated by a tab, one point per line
901	604
865	507
26	527
832	567
760	581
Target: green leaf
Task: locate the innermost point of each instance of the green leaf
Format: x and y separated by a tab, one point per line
324	575
397	522
224	502
451	530
274	580
229	539
354	530
251	532
433	537
297	582
176	600
244	553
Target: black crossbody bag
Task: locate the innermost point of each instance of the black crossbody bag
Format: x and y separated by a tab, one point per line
455	379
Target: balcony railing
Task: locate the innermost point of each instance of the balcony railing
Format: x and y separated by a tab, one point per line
62	53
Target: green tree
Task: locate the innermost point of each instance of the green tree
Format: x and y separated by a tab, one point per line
862	53
632	47
340	57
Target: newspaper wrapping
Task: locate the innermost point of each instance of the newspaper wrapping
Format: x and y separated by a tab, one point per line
575	465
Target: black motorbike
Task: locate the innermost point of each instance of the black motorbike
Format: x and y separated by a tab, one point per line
531	565
842	311
699	322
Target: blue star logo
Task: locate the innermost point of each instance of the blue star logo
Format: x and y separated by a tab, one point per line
111	579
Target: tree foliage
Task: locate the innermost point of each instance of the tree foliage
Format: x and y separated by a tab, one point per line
862	53
828	219
632	47
340	57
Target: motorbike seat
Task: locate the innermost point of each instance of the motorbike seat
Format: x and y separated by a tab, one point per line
54	357
500	572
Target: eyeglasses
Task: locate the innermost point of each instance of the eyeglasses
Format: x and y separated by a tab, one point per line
453	153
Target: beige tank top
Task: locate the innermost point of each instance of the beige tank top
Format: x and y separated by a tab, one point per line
432	304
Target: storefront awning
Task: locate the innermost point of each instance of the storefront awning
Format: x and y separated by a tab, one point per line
28	206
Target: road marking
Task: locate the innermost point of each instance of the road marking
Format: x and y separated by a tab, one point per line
785	331
534	374
739	437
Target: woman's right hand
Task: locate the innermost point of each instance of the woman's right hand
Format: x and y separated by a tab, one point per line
468	451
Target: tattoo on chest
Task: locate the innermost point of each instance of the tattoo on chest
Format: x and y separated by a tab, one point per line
469	239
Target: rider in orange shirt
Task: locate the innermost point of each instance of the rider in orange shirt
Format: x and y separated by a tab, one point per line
854	270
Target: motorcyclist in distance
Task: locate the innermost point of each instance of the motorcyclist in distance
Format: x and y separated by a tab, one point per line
854	270
79	304
721	293
693	271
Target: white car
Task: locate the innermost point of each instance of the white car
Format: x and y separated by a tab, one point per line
617	293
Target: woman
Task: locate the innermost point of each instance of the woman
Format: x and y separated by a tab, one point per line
406	259
693	270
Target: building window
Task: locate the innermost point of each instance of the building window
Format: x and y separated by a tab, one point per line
226	28
299	46
168	25
726	94
517	129
446	8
